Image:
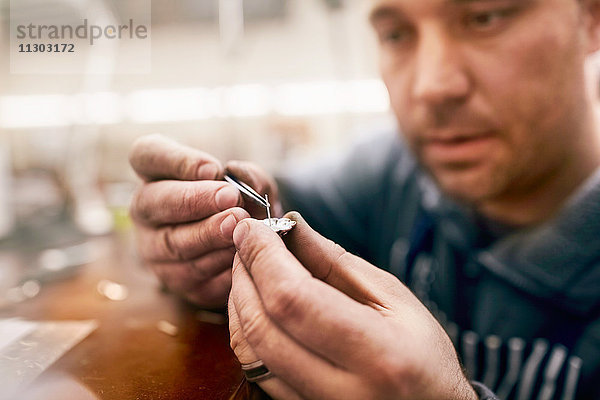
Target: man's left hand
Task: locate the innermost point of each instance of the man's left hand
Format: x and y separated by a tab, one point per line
329	325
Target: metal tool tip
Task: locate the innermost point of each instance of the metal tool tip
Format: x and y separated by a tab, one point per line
268	209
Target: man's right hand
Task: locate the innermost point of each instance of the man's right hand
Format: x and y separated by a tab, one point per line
185	216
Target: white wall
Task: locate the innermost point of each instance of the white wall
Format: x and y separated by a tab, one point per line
311	44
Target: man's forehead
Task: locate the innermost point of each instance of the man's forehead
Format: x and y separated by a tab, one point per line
385	8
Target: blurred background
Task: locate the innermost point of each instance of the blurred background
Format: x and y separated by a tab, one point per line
278	82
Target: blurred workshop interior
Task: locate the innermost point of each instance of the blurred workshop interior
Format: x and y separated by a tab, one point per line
281	83
278	82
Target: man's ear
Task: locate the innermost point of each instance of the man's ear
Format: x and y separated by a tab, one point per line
591	20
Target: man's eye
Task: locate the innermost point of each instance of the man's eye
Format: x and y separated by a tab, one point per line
487	21
394	36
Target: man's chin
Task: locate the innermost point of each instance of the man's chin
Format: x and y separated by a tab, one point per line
466	186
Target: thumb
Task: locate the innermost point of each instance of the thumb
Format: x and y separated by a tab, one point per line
329	262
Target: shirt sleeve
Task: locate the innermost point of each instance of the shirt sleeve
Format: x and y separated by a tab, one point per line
483	392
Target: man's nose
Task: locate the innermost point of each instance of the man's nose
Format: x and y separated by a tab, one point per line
439	75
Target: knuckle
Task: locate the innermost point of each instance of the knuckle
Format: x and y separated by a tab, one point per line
141	149
138	147
282	302
201	272
183	167
198	239
237	340
254	328
188	200
187	167
159	272
209	266
339	258
171	279
239	213
138	208
338	251
241	348
169	245
259	252
206	234
134	205
148	246
141	246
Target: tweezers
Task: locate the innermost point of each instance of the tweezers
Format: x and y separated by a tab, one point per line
248	191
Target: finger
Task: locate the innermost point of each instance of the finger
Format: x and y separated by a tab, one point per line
211	293
261	182
274	386
348	273
171	202
186	242
298	302
155	157
307	373
187	274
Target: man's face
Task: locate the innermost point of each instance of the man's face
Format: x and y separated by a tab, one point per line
489	93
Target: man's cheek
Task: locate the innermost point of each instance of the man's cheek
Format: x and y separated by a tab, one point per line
404	109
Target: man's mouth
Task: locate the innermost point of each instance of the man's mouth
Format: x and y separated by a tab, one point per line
459	147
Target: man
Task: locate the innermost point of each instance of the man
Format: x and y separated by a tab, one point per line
488	209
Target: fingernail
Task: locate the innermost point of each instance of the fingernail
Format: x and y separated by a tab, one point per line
294	216
239	234
227	226
208	171
227	197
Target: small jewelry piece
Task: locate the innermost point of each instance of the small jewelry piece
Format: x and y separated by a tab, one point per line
256	371
280	226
